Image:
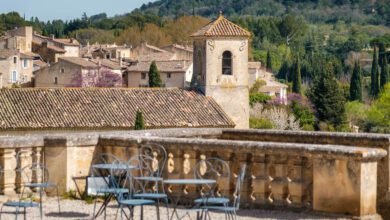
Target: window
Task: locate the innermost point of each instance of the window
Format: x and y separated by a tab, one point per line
62	70
25	63
14	76
55	80
143	75
168	75
227	63
15	60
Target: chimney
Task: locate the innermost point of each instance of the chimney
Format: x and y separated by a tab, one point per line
88	47
52	37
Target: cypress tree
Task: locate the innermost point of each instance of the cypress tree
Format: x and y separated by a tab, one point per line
381	54
297	81
139	121
154	76
269	61
328	98
355	89
384	73
375	75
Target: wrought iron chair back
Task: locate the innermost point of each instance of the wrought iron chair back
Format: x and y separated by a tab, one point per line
217	169
159	157
143	177
239	183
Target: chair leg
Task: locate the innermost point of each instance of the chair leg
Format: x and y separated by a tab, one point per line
58	200
166	205
158	209
17	212
24	213
94	209
40	202
142	212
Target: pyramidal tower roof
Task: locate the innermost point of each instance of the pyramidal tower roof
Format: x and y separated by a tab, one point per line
221	27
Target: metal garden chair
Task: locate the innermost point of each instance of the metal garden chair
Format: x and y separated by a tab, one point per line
140	165
149	181
24	201
231	210
106	184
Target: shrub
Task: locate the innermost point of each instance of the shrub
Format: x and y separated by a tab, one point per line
261	123
258	98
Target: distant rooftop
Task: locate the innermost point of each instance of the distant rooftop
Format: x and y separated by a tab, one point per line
107	108
221	27
163	66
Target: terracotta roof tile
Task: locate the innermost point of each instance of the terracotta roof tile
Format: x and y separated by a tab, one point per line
221	27
105	108
162	66
80	62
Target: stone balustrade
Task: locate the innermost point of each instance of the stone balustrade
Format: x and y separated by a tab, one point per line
336	178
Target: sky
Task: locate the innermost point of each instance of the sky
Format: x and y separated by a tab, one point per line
68	9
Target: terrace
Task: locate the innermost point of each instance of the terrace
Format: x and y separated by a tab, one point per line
290	175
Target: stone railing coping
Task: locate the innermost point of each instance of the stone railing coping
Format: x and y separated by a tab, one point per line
21	142
331	151
384	137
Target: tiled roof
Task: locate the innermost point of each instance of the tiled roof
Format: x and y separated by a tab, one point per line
162	66
66	41
164	56
6	53
221	27
105	108
80	62
56	49
39	63
114	65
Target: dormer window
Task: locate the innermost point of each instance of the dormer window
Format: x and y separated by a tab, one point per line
227	63
15	60
62	70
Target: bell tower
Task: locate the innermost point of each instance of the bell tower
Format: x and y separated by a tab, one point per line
221	67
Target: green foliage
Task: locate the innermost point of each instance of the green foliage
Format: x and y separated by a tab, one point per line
154	76
297	81
269	61
93	35
258	98
304	114
355	89
385	74
260	123
328	99
379	113
139	121
257	85
356	113
375	75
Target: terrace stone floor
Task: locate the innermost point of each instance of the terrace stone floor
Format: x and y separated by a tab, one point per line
77	209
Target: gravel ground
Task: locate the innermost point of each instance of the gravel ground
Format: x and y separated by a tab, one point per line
77	209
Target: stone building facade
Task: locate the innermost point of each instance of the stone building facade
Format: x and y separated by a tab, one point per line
221	67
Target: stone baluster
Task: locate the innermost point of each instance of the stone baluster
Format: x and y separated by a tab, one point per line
295	191
8	164
260	180
25	160
270	166
37	176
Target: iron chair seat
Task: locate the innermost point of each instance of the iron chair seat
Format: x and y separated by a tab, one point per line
136	202
212	200
151	195
221	208
148	178
21	204
41	185
113	190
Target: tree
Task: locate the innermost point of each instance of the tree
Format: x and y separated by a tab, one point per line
269	61
297	81
379	113
375	75
355	89
154	76
381	53
139	121
328	99
384	78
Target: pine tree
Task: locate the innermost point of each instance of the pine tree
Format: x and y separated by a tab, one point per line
154	76
355	89
139	121
328	98
269	61
375	75
384	73
297	81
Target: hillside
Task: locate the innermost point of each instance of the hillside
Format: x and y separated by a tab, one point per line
358	11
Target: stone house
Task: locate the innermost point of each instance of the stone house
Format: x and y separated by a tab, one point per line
79	72
183	52
111	52
16	68
51	48
146	49
173	73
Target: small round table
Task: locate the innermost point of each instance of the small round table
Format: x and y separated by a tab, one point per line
185	182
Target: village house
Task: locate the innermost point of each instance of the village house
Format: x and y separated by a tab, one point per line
16	58
105	51
51	48
173	73
183	52
80	72
16	68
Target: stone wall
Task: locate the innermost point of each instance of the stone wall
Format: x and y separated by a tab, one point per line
335	179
